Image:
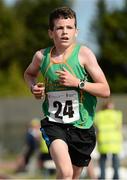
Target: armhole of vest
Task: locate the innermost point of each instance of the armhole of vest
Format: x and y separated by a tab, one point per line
86	73
46	51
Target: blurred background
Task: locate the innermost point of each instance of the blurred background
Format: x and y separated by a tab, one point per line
102	27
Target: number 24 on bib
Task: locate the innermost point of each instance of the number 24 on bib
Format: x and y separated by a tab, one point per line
63	106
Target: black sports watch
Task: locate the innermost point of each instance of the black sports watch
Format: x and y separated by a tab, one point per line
81	83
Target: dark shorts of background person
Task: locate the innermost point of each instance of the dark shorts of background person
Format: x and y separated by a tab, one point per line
81	142
44	157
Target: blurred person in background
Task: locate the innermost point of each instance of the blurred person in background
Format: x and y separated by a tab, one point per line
108	122
34	144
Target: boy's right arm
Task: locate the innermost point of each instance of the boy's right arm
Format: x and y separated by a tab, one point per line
31	73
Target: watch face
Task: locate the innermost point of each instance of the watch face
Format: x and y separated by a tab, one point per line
82	84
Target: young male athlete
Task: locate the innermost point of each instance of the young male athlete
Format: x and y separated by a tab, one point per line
73	79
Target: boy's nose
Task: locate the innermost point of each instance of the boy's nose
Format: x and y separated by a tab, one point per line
64	30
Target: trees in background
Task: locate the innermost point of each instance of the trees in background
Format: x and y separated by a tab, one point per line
23	30
110	29
12	36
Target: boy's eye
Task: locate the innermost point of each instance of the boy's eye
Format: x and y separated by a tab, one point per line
69	27
59	28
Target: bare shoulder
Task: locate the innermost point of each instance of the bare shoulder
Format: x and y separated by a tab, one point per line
90	63
38	56
86	56
36	61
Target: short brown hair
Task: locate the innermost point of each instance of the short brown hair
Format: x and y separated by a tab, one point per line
61	12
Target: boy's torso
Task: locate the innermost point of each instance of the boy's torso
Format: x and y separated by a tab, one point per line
67	104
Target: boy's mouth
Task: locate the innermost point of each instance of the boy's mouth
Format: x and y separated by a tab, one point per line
65	38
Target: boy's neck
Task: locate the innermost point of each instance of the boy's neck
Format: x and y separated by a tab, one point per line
62	53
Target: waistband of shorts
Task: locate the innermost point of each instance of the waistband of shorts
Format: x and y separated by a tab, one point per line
63	125
59	124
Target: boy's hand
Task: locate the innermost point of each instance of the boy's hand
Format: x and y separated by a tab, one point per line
38	90
67	79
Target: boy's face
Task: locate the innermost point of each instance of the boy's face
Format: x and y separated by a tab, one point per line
64	32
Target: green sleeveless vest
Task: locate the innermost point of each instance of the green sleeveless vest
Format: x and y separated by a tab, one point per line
87	102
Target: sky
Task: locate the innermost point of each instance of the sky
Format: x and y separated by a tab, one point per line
86	12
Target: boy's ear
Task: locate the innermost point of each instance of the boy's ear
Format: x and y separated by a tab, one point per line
50	33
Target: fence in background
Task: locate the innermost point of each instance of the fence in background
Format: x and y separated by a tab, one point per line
15	115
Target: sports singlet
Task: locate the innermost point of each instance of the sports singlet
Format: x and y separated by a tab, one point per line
67	104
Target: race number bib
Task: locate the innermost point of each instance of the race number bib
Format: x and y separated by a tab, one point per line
63	106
